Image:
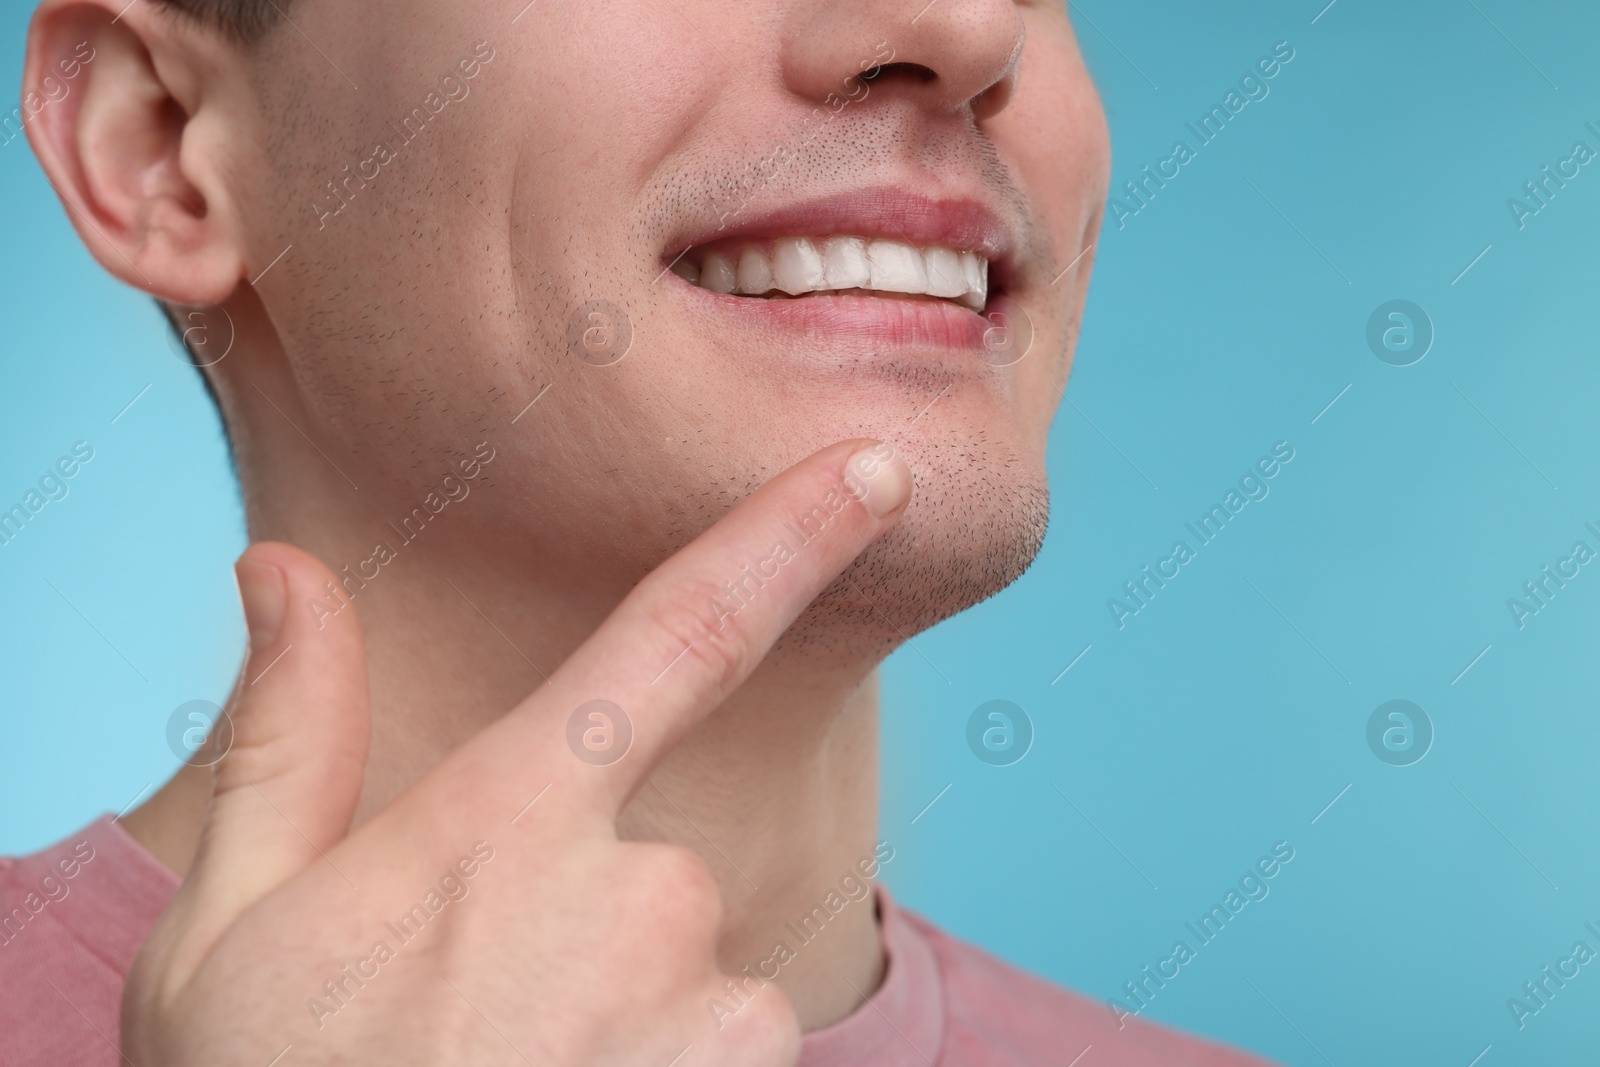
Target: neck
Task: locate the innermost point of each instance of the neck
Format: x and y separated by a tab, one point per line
776	790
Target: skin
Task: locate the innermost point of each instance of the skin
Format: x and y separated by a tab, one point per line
392	339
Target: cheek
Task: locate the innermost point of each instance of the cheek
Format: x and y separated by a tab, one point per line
1055	141
1054	134
1039	386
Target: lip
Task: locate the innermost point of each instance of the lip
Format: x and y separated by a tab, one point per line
885	321
891	213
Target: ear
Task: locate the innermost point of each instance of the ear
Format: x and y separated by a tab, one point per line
122	110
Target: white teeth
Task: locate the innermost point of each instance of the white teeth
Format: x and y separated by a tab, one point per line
717	273
897	268
797	266
755	272
945	276
976	271
845	264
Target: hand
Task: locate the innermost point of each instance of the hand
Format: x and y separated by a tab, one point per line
461	924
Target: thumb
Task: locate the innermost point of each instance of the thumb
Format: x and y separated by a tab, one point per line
286	790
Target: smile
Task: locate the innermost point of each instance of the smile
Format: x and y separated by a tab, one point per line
788	267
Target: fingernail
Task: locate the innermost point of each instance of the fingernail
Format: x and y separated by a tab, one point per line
264	592
879	478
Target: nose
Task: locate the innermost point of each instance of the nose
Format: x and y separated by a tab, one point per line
947	55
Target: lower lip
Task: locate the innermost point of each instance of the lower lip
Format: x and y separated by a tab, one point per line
882	321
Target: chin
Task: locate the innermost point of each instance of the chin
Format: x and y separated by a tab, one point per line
975	525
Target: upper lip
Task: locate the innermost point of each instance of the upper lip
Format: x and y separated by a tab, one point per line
889	212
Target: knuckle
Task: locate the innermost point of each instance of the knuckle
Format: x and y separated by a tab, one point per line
698	617
765	1031
678	883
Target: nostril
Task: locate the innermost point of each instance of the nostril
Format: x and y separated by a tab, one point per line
913	71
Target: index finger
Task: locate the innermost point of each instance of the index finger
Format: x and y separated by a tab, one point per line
691	633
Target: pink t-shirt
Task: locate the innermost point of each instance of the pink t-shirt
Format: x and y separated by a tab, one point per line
72	917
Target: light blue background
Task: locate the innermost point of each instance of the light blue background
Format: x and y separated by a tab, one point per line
1224	717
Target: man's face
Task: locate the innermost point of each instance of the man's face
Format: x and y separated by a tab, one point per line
537	161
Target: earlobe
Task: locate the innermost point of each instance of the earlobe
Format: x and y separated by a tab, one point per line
110	136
